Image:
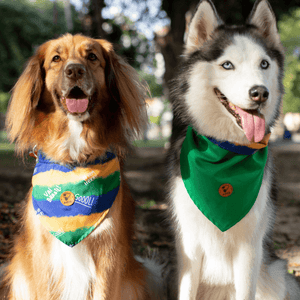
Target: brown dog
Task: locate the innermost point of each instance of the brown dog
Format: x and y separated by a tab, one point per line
75	102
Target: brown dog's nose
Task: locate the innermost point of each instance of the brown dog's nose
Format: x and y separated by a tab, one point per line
259	94
75	71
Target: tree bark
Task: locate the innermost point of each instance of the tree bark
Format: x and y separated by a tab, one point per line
68	15
97	6
171	44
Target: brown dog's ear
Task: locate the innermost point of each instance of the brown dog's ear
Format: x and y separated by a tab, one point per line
126	89
25	97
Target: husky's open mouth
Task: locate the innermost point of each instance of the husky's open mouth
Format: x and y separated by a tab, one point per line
251	121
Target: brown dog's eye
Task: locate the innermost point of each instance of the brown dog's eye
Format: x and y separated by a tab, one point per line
56	58
92	57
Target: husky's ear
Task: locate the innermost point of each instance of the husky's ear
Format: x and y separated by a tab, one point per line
263	17
203	23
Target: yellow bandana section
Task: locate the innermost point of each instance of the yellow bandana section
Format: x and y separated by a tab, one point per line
64	224
84	173
260	145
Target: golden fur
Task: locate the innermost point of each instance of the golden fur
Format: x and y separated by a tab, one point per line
41	268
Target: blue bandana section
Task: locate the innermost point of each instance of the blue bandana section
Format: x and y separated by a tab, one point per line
243	150
44	164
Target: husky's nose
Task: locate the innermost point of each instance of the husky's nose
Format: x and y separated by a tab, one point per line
259	94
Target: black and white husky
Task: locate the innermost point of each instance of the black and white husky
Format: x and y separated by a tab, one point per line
227	93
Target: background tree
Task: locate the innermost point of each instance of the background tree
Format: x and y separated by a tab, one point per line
289	27
122	32
25	25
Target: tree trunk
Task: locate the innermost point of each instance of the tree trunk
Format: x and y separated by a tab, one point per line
68	15
97	6
171	43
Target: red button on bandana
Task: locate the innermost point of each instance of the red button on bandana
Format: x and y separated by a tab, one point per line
225	190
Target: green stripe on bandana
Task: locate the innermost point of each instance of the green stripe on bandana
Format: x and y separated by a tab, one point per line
97	187
223	185
73	237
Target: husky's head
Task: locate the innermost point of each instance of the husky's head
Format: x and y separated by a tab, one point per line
231	80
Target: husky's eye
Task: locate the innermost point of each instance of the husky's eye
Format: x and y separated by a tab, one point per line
264	64
228	65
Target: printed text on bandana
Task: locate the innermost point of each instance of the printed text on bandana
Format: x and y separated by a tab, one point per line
86	200
51	193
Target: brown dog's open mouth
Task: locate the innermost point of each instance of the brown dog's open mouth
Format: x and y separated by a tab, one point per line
76	101
251	121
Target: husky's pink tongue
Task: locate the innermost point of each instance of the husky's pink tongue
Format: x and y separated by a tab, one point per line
253	124
77	105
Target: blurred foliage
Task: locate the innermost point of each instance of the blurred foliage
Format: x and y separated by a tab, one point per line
231	11
25	25
289	28
155	88
4	98
155	143
132	45
128	42
147	204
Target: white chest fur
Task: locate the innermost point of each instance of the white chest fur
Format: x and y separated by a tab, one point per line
77	266
74	143
201	243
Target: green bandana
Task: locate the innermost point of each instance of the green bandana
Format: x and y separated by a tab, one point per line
223	184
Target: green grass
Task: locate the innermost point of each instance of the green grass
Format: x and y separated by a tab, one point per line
148	204
6	146
7	158
4	143
3	136
150	143
279	245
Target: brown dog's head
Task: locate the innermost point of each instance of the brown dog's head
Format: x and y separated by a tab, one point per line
75	80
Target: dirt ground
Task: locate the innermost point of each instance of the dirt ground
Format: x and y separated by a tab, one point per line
145	173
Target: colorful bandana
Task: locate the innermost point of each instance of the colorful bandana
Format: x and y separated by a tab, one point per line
222	179
71	201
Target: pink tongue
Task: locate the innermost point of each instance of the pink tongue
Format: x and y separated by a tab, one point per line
77	105
253	124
